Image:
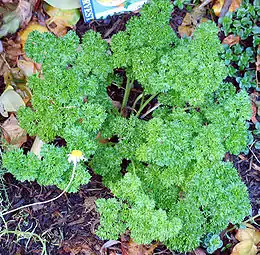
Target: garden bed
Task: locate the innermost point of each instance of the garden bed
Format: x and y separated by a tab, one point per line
68	224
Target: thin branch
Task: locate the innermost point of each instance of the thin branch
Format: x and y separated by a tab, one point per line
150	110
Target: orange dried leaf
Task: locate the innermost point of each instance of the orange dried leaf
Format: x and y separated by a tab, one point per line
219	4
254	112
132	248
235	5
231	40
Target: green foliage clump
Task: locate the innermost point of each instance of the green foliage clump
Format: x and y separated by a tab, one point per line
167	174
141	46
243	22
170	168
177	68
69	101
139	214
53	168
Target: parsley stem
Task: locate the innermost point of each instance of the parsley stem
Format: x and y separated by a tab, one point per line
145	104
126	95
136	100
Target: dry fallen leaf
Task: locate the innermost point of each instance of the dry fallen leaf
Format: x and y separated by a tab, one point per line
4	66
219	4
13	133
64	4
249	238
10	101
32	26
235	4
108	244
13	50
245	247
27	67
231	40
191	20
75	247
60	20
129	247
248	233
36	147
19	17
254	113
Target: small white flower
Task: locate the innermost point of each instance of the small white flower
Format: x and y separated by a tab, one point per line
75	156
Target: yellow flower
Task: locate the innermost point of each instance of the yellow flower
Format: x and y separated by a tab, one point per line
75	156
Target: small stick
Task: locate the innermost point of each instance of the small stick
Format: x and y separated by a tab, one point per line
254	154
206	2
150	110
225	8
6	62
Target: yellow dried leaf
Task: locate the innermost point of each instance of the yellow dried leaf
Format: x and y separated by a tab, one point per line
217	7
191	20
245	247
31	27
185	30
187	20
219	4
248	234
61	19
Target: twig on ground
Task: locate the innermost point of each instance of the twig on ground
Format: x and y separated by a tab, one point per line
225	8
206	2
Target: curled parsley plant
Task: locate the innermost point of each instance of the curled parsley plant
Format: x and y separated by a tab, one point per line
167	174
69	101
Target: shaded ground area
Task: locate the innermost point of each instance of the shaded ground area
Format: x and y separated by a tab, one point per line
68	222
